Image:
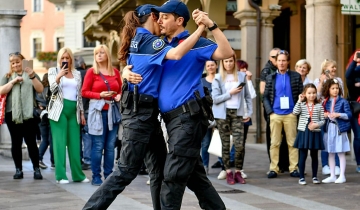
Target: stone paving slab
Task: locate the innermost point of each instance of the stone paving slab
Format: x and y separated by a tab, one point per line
260	192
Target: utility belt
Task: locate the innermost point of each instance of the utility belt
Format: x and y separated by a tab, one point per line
194	107
132	102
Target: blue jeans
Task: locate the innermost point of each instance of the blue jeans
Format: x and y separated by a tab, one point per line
205	143
356	129
232	155
46	141
105	142
86	142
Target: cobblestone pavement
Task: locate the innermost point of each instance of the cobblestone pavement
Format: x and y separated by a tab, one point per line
259	192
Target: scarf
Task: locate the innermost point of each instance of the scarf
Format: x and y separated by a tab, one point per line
22	99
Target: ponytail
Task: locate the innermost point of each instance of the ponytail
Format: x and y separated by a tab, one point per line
131	22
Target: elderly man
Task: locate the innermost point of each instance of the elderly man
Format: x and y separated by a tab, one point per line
281	92
270	67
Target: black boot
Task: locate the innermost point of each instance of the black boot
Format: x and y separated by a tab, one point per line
19	174
37	173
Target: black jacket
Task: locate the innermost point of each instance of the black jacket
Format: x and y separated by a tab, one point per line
267	70
269	94
352	76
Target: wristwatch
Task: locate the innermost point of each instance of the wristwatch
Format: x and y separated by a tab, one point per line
213	27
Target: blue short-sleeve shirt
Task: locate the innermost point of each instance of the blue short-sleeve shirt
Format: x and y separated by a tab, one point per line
181	78
147	53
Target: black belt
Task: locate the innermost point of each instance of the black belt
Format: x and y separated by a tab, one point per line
168	116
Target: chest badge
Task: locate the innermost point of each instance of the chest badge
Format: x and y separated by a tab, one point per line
158	44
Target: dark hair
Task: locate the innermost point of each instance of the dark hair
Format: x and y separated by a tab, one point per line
307	86
241	64
45	80
327	85
131	22
283	52
176	16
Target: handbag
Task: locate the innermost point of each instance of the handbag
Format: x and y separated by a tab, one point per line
215	147
116	116
2	108
355	106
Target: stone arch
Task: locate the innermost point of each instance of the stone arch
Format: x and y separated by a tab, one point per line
192	5
113	45
217	12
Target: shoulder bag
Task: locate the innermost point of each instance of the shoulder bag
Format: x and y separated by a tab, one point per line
116	116
355	106
2	108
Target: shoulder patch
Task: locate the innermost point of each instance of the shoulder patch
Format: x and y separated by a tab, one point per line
158	44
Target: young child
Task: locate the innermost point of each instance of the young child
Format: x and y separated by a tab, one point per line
309	135
337	114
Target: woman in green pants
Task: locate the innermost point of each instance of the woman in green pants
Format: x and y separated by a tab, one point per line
66	112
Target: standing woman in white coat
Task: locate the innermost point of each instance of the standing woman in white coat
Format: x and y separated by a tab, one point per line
66	112
229	101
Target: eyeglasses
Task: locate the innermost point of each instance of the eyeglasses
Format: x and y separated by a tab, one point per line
273	56
15	53
283	52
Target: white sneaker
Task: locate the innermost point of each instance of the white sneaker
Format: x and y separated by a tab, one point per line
337	170
329	180
63	181
148	182
243	174
222	175
315	180
302	181
86	180
326	170
340	180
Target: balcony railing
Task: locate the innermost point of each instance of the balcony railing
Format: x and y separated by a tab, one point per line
91	19
107	5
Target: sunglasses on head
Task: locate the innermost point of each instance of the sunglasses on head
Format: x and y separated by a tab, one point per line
273	56
14	53
283	52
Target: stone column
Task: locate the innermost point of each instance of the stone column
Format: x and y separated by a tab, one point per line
247	16
320	33
10	17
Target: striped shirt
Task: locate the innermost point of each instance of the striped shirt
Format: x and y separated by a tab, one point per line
317	115
56	109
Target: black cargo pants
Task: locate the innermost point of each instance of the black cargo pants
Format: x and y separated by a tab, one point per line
184	167
142	139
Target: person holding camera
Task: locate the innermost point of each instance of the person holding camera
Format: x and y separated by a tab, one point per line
352	76
66	112
20	85
231	94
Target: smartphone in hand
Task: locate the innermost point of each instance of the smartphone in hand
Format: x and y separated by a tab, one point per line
27	63
358	55
112	92
241	84
65	65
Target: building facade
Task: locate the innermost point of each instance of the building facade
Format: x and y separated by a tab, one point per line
42	30
311	29
74	12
